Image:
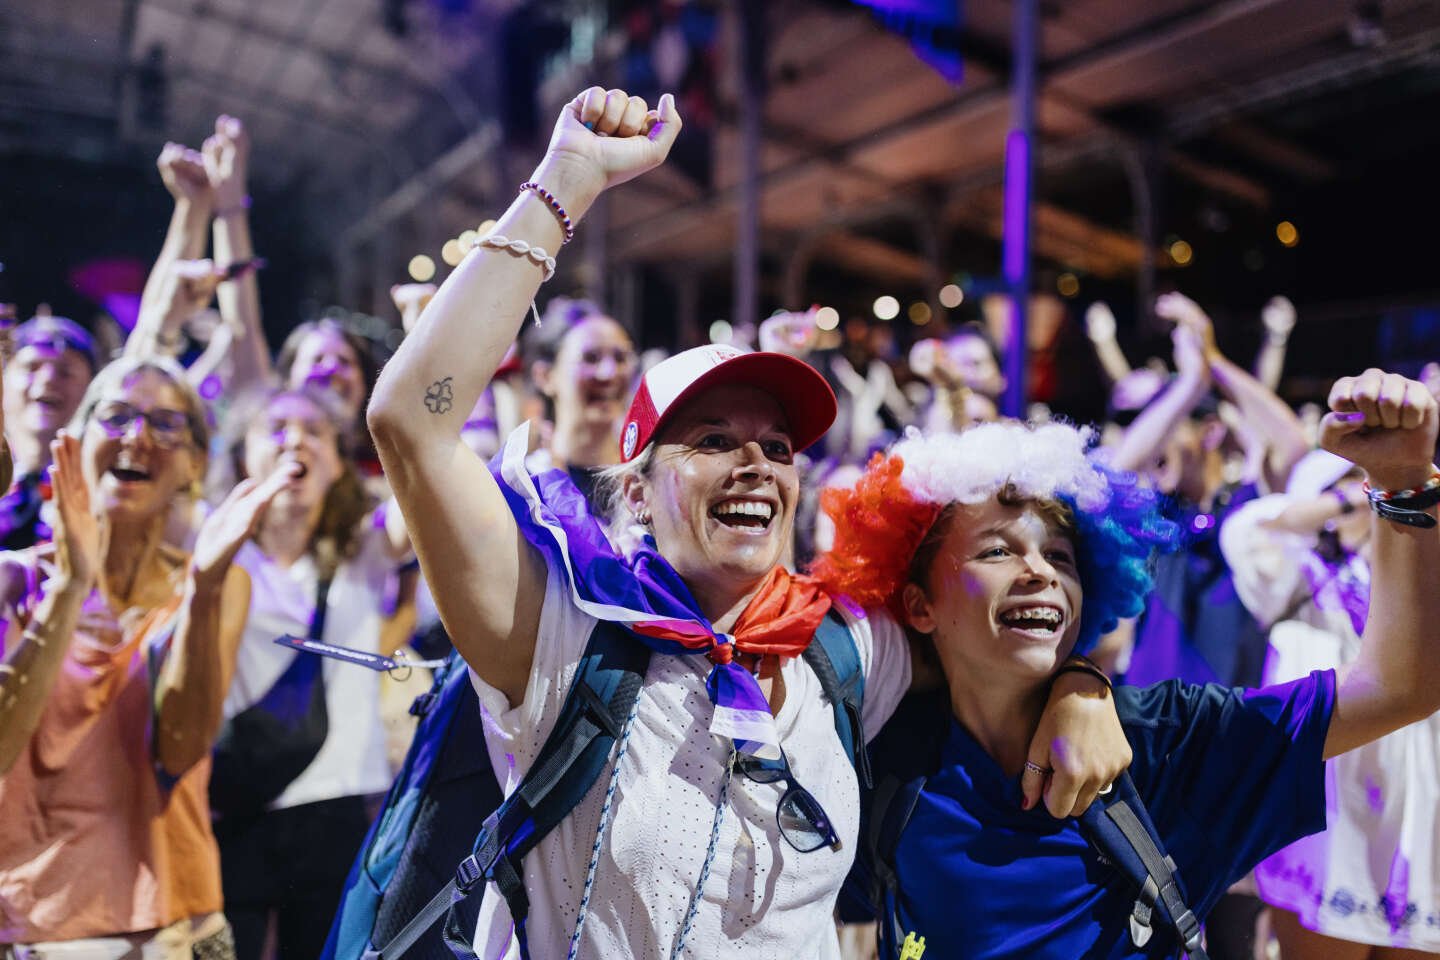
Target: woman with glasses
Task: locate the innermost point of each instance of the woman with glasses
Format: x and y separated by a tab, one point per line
683	854
117	651
318	563
1009	549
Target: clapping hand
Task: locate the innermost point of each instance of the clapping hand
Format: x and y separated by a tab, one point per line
235	521
80	536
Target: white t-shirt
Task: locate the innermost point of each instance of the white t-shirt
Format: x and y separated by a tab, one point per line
763	900
352	761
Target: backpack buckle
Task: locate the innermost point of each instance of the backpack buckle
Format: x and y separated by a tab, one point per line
468	873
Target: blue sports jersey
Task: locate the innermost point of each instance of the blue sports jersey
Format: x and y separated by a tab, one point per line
1228	776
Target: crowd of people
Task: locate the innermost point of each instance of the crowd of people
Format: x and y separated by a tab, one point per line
1211	606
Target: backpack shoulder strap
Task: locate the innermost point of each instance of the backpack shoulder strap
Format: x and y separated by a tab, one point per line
891	805
833	656
606	686
1120	828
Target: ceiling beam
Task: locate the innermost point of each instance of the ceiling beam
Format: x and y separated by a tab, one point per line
994	96
1275	151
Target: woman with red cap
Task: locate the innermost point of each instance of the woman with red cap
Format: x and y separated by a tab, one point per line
689	855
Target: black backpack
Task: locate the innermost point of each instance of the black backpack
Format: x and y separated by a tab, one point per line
1117	825
406	879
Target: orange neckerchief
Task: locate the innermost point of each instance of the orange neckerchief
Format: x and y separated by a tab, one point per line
779	619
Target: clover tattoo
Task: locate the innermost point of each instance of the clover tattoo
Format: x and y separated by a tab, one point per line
440	398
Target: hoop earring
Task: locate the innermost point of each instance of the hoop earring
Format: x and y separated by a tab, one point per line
642	517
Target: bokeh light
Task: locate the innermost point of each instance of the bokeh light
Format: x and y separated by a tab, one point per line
887	307
951	296
827	318
422	268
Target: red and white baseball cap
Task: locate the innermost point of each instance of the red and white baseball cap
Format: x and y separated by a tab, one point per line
803	395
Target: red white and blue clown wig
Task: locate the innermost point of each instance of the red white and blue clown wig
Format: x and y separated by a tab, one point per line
881	522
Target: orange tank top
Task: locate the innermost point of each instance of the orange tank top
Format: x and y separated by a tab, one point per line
91	843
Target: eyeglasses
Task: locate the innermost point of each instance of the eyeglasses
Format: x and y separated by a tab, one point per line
168	428
801	819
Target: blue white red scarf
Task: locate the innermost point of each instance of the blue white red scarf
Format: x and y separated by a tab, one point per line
646	595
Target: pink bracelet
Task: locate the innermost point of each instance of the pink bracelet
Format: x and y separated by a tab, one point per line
554	206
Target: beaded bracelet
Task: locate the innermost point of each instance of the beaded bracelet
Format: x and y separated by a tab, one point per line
1406	506
554	205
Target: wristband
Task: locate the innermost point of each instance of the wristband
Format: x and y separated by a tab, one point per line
1407	506
1079	663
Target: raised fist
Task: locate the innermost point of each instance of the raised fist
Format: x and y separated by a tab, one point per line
611	137
1385	424
183	172
227	157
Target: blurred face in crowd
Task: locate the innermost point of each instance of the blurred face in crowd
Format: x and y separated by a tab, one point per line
294	427
326	361
975	363
722	489
1001	596
138	448
1181	469
43	389
589	381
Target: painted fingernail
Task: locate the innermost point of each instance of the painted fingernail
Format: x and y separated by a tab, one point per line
1356	417
589	124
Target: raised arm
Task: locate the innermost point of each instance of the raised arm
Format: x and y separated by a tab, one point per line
1266	414
190	692
227	159
183	172
1146	437
488	584
1278	316
1386	425
1100	328
183	289
33	664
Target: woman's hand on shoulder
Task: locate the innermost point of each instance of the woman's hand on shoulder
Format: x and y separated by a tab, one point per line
604	138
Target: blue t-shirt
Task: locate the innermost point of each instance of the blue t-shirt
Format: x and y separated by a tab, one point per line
1228	776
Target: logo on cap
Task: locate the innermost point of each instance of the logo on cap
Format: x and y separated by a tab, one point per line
627	445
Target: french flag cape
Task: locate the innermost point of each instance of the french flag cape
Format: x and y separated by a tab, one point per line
644	593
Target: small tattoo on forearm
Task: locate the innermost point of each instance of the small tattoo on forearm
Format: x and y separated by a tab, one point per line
440	398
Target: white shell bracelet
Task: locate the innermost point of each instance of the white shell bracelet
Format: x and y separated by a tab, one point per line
521	249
